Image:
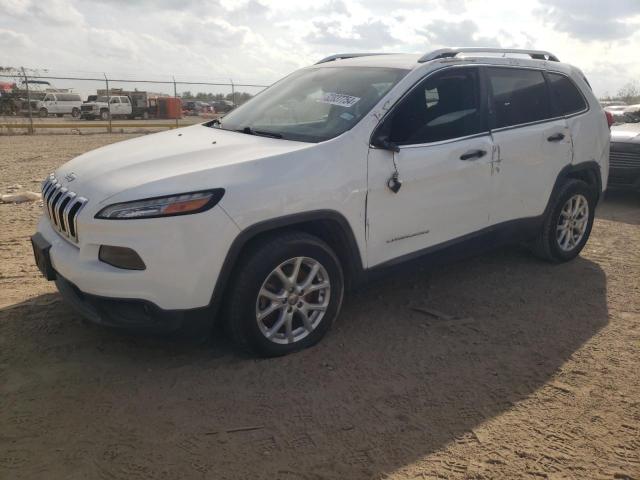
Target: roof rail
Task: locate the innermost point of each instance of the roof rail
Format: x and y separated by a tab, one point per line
343	56
452	52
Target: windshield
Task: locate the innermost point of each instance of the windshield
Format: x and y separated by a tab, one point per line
313	105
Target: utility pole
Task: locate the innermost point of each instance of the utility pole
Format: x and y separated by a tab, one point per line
108	102
26	82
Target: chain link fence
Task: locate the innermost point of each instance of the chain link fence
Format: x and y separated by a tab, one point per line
21	90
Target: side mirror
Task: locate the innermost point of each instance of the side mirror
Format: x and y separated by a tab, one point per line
386	144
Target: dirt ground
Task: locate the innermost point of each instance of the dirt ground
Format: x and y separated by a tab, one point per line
537	376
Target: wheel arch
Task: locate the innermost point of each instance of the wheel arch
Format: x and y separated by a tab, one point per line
588	172
328	225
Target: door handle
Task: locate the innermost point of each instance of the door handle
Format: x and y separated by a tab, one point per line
556	138
473	154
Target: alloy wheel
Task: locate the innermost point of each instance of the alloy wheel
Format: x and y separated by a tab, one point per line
293	300
572	223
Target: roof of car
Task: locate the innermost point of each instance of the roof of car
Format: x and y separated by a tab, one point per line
409	61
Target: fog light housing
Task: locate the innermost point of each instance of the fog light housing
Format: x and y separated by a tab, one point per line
121	257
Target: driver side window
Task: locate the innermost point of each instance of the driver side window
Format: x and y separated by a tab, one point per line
443	107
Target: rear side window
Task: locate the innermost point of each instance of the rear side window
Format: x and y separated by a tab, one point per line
443	107
519	96
566	97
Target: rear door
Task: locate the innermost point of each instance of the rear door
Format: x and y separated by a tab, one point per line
532	142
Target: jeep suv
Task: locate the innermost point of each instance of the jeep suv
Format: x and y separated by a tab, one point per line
266	217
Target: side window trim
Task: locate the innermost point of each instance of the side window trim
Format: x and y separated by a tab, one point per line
584	99
483	110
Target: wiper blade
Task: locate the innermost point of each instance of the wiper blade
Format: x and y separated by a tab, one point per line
262	133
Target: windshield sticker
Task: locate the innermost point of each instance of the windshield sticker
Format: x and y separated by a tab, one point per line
339	99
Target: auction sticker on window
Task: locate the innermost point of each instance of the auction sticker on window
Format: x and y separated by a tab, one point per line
339	99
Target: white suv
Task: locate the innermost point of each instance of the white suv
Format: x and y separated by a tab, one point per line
341	169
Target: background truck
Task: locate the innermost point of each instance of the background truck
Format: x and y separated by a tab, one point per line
105	107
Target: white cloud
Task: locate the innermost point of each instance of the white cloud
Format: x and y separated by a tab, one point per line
259	41
14	40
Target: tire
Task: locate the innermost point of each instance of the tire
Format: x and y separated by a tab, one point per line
104	115
43	113
75	113
255	274
560	240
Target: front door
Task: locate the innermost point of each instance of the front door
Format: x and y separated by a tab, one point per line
442	165
50	103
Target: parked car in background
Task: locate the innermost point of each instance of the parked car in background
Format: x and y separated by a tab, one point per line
222	106
617	111
624	156
104	107
632	114
338	171
54	103
195	107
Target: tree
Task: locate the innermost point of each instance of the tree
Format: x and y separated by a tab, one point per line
630	93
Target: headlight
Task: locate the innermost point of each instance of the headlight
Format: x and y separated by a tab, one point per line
171	205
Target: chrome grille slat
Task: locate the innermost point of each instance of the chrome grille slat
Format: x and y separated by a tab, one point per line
59	203
65	213
56	206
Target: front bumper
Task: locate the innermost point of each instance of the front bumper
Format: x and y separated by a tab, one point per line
134	315
183	257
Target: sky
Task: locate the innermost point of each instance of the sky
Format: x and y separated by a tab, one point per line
260	41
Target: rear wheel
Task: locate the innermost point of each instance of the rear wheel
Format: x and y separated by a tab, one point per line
286	294
75	113
104	114
567	227
43	113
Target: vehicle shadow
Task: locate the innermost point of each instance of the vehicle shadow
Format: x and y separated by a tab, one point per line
415	362
620	206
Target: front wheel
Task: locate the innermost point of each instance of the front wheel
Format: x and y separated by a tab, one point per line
568	225
104	115
43	113
286	293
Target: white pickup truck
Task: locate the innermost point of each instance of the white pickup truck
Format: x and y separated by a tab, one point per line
105	107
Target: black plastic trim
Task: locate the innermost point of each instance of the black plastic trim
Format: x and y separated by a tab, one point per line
133	314
355	267
474	242
589	166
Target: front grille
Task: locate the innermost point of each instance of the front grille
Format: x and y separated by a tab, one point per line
62	207
624	155
624	159
86	108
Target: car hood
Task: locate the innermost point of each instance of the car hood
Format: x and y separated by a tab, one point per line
186	159
627	133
